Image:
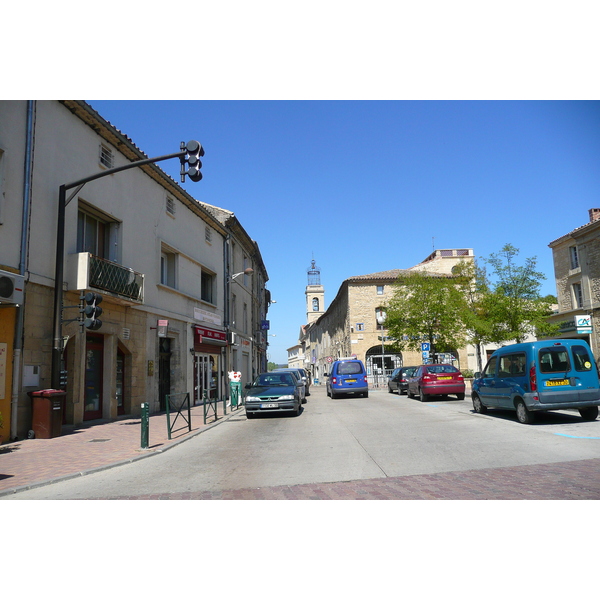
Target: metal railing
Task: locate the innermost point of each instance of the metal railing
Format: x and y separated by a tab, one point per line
115	278
178	403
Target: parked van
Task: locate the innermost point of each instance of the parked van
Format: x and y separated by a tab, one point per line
539	376
347	376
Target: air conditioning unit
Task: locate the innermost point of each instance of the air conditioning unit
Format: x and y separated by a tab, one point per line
232	338
12	287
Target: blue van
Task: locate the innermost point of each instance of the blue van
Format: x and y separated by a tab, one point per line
347	376
539	376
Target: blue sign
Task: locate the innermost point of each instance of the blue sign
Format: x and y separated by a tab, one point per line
425	347
264	325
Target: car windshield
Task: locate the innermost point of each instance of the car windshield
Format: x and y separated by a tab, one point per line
409	371
274	379
442	369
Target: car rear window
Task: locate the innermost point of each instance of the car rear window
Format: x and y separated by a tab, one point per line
554	360
442	369
350	368
581	358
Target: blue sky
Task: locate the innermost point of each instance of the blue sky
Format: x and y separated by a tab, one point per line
367	186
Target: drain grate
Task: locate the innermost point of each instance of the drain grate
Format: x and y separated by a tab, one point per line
98	440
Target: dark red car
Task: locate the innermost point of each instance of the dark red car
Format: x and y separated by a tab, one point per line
436	380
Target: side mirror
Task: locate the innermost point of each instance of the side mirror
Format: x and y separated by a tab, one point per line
477	375
248	386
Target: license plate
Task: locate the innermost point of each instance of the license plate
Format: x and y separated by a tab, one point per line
350	380
444	378
555	382
269	405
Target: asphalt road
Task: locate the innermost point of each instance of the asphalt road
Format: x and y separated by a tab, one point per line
342	440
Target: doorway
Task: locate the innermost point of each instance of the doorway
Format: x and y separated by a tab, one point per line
94	373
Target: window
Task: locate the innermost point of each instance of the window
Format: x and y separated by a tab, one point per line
380	290
490	368
168	268
315	304
170	206
512	365
360	327
582	359
577	295
245	318
574	257
208	235
207	287
106	157
554	360
92	235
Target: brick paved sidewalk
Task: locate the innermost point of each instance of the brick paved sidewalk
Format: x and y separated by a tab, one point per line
574	480
96	446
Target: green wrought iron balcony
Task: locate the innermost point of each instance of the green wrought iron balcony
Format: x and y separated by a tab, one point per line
101	274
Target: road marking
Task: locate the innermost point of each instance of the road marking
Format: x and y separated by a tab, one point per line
579	437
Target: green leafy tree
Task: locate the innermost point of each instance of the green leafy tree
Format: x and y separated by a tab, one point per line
271	366
426	307
514	303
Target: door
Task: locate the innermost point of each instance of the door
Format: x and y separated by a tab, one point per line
164	372
94	372
120	382
487	391
202	378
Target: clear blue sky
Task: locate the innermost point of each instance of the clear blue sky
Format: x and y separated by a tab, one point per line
367	186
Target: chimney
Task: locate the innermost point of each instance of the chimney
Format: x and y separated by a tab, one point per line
594	214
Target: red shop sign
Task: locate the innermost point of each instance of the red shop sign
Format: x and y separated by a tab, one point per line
206	335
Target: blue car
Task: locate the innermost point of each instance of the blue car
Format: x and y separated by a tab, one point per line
539	376
347	376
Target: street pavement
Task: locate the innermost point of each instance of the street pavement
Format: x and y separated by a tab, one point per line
82	450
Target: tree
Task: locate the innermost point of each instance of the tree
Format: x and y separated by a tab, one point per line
514	303
426	307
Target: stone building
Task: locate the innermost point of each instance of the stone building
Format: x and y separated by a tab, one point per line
576	258
350	325
169	269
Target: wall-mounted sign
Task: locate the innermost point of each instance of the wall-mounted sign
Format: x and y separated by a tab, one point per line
163	325
583	323
204	335
206	316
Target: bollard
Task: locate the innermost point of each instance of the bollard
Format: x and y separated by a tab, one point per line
145	423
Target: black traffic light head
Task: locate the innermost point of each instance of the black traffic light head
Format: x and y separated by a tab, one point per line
92	311
191	160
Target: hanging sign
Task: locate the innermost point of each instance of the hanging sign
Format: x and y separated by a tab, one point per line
583	323
163	325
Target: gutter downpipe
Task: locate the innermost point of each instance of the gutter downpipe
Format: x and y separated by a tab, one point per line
18	341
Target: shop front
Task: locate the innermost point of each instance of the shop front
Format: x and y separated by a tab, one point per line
209	345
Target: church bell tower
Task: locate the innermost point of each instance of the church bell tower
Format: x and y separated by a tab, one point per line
315	294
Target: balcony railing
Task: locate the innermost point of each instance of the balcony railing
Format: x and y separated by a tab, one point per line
115	278
99	273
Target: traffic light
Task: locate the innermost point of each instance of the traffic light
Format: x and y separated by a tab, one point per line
191	160
92	311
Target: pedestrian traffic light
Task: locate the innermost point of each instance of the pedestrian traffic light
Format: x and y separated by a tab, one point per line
190	163
92	311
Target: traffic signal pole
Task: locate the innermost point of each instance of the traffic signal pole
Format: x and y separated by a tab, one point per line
192	148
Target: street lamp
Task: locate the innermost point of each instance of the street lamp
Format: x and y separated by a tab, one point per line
247	271
381	318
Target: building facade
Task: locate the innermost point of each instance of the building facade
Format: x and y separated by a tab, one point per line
354	323
162	261
576	257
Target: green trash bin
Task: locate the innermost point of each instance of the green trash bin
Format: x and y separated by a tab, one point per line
235	388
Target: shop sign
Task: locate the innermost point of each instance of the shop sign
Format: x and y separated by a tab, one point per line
583	323
206	316
204	335
163	325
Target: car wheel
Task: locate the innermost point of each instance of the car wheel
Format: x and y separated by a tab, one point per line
523	415
409	393
460	396
366	395
478	406
589	414
423	397
250	415
390	390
